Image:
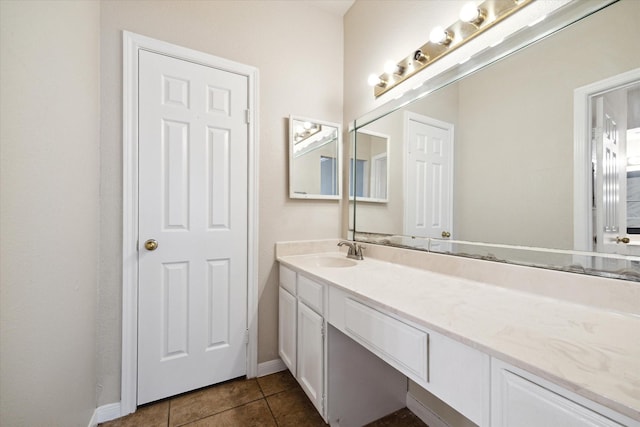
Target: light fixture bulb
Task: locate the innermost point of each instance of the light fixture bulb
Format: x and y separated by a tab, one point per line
374	80
471	13
390	67
440	36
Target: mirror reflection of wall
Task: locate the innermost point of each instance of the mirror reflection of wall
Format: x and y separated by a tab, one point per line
370	167
314	159
513	161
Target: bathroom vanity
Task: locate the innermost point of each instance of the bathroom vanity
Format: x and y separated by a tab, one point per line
499	354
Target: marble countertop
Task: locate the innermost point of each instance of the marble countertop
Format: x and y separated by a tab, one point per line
591	351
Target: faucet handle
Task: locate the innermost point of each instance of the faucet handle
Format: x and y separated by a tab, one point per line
355	250
348	243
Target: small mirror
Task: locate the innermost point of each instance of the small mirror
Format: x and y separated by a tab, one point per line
314	159
370	166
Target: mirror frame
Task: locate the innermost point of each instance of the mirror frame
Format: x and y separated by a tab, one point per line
561	18
294	195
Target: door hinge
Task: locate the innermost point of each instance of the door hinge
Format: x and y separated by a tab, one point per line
247	117
246	336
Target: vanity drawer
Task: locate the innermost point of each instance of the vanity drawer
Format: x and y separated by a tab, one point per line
288	279
401	345
311	293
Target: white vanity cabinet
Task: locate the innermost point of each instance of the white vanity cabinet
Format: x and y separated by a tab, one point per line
457	374
521	399
356	334
301	328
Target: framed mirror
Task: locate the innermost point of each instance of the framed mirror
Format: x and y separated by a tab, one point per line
523	165
370	166
315	170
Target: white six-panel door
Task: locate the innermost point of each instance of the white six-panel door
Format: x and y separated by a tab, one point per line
429	163
193	201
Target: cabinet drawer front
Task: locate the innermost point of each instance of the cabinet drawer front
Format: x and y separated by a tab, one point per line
311	293
401	345
288	279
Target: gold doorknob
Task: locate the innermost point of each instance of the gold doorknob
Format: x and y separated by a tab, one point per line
446	234
622	240
151	245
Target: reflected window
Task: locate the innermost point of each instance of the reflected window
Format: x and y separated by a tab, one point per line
359	182
328	174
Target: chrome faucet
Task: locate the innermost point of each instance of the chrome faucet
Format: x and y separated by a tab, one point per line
355	250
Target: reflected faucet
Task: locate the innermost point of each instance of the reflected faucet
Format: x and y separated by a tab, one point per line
355	250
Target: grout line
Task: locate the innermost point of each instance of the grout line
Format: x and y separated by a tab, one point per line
275	420
220	412
230	409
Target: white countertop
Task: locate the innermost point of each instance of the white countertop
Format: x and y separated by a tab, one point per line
591	351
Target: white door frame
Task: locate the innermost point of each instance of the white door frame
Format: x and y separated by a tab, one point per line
132	43
582	182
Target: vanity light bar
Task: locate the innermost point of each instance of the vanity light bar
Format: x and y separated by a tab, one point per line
474	20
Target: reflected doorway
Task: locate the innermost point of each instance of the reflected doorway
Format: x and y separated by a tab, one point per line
615	160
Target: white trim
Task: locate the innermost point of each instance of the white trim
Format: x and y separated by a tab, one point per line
93	422
582	185
132	43
427	416
271	367
108	412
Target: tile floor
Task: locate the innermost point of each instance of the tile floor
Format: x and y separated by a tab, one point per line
273	400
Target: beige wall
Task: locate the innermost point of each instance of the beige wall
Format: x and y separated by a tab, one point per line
298	51
49	217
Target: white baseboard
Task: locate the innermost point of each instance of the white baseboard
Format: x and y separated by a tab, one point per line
425	414
105	413
271	367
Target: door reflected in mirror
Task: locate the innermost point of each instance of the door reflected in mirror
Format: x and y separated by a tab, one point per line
314	159
615	145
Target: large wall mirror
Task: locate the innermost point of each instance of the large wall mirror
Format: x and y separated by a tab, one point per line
315	170
509	157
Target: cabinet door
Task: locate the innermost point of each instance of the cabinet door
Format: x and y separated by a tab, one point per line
311	355
519	402
287	329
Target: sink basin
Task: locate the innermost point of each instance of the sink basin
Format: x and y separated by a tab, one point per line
331	261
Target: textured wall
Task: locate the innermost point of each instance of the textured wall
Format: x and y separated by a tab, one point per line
49	217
